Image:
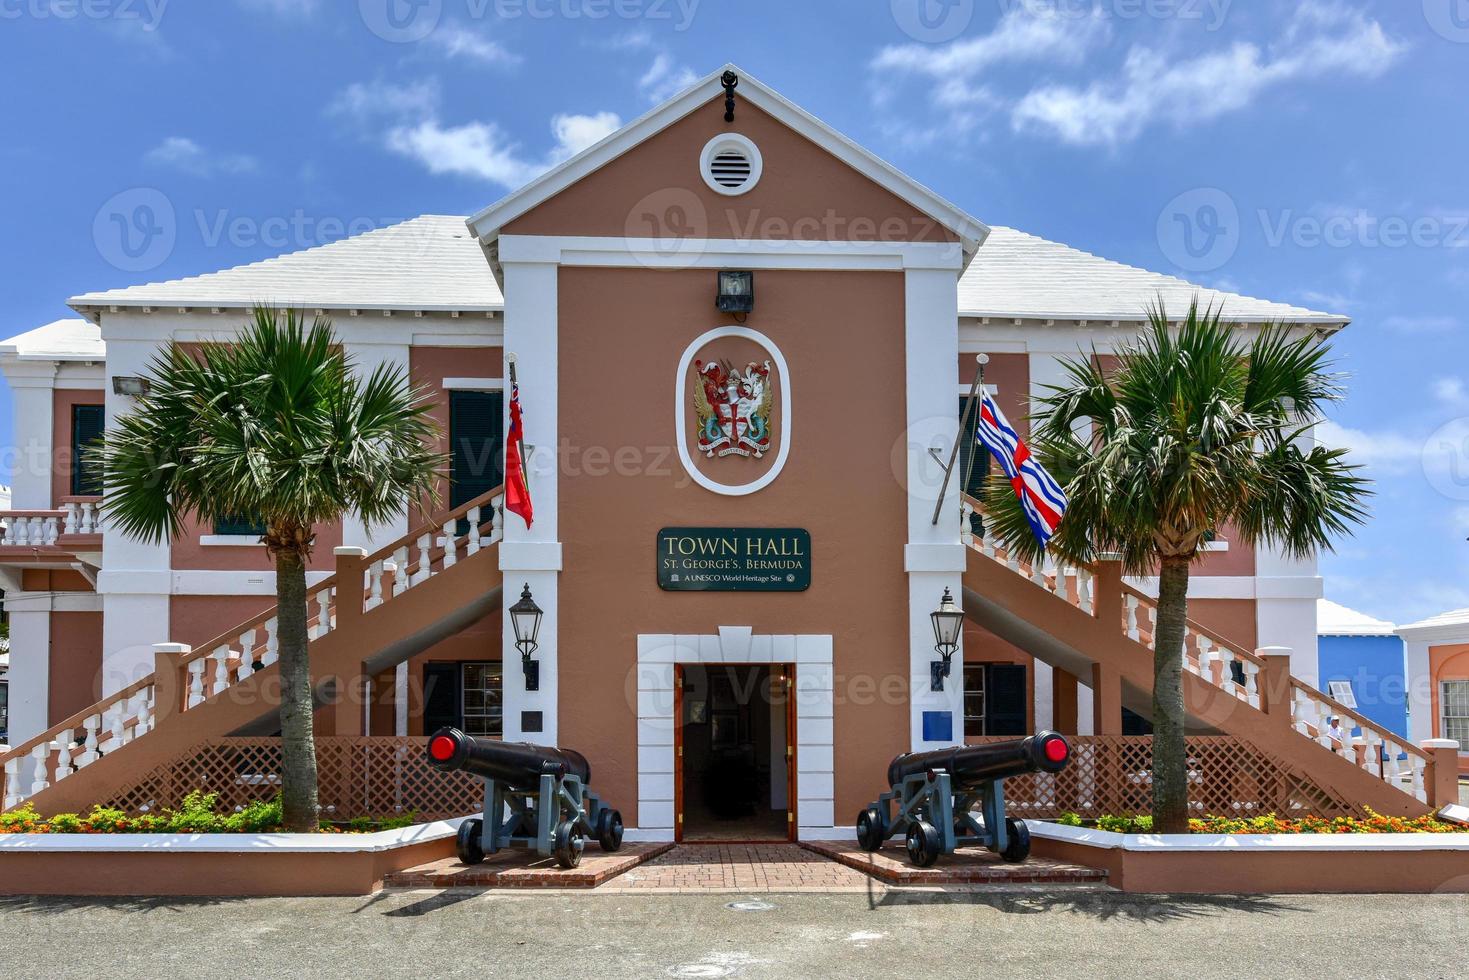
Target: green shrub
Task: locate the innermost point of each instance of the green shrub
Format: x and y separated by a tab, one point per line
197	814
66	823
1069	820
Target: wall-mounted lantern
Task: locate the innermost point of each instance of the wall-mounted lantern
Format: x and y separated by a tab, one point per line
130	386
736	292
948	624
525	620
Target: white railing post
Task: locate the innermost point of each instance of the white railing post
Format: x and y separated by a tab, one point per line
272	643
247	653
39	755
400	574
12	782
89	745
196	683
1084	589
472	547
221	658
1131	605
63	753
70	526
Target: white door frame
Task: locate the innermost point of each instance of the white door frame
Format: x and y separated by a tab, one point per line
815	755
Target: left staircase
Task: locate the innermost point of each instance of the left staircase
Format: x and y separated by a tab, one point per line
374	612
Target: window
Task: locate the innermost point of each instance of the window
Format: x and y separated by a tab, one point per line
4	711
1342	693
994	699
466	696
241	526
87	425
476	446
974	459
483	707
973	699
1453	699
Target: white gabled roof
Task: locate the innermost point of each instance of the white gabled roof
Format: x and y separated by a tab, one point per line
428	263
1016	275
970	231
1454	619
64	340
1333	619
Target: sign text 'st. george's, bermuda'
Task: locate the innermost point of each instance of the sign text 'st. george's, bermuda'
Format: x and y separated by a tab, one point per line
739	559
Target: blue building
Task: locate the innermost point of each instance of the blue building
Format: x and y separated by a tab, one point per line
1361	663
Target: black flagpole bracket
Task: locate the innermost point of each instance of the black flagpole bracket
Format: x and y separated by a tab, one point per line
730	81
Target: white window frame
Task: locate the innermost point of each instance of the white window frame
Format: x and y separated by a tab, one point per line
464	712
1443	708
1342	692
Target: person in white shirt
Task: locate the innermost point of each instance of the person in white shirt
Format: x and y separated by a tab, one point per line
1335	733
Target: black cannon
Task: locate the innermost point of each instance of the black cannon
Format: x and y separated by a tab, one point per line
536	797
936	793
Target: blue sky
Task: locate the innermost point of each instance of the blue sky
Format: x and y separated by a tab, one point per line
1308	152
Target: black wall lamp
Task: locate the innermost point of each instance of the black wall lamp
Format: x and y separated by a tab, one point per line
948	624
525	620
736	292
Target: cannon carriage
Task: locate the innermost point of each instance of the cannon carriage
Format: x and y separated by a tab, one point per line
536	797
934	795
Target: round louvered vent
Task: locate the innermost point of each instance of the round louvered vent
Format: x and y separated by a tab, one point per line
730	164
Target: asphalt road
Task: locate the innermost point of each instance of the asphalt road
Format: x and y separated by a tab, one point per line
1008	935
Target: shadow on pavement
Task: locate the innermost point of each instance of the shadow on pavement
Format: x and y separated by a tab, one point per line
60	905
1103	906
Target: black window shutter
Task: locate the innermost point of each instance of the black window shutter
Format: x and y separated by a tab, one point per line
1005	699
974	459
441	703
239	526
87	425
476	443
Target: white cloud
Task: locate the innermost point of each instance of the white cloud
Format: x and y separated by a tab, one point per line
1421	324
182	153
1451	392
406	119
455	41
1382	452
1321	41
665	78
283	8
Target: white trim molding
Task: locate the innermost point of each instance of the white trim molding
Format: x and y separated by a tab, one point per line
782	452
473	384
815	716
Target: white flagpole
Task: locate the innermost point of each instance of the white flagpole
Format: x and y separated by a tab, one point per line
964	433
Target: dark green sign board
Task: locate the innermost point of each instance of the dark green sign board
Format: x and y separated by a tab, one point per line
734	559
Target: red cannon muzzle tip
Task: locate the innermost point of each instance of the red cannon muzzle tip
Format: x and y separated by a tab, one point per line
442	748
1056	749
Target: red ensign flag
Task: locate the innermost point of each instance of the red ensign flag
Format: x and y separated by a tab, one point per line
517	490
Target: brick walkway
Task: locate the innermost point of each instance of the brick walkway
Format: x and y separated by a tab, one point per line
741	868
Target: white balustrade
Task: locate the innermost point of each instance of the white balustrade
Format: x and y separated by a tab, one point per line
1084	590
221	669
92	726
375	585
12	782
144	724
272	643
473	546
63	753
425	569
1059	583
1130	605
247	653
39	755
400	576
196	683
117	730
451	547
1252	682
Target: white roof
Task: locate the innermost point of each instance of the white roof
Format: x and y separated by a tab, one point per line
1452	618
429	263
434	263
969	230
1333	619
64	340
1018	275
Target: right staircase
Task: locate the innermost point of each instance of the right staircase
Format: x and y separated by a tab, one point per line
1087	621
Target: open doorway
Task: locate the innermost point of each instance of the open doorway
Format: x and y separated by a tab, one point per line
735	753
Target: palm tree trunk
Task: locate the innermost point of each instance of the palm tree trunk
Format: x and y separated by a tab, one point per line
1170	762
300	812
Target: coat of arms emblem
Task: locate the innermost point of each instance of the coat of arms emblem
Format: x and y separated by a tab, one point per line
732	409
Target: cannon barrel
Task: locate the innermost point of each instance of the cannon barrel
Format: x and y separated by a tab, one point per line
971	764
519	765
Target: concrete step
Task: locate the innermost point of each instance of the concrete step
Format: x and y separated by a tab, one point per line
526	869
966	866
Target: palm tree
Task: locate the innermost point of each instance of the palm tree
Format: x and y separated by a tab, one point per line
275	425
1198	427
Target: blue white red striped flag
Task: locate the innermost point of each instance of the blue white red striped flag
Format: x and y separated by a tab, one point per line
1040	495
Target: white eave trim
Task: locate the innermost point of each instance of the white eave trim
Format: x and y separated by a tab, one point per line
1135	316
486	224
93	305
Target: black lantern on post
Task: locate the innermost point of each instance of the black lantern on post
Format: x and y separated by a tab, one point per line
525	620
948	624
736	292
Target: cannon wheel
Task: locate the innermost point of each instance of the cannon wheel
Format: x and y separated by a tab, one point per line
1017	847
569	843
924	843
609	830
470	842
871	829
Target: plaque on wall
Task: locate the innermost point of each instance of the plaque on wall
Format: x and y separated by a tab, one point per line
738	559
